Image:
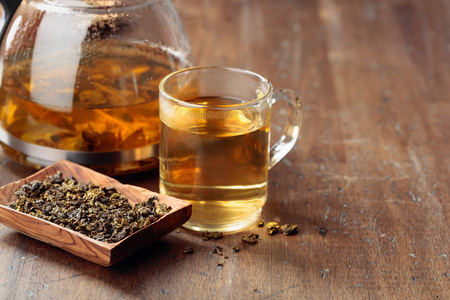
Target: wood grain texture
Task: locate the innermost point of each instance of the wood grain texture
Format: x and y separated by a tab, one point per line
372	167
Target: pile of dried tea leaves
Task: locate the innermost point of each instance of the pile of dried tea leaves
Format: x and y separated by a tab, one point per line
101	213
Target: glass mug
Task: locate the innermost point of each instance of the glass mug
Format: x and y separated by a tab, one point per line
215	143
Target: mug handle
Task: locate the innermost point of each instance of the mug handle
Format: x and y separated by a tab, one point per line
291	130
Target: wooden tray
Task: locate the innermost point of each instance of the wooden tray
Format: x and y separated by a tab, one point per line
105	254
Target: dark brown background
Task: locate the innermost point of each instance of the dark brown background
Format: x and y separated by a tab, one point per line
372	166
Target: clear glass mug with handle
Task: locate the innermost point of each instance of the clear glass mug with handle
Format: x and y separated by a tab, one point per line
215	143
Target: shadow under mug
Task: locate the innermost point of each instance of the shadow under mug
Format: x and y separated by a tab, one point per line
215	143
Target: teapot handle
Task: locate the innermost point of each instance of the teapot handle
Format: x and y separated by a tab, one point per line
9	8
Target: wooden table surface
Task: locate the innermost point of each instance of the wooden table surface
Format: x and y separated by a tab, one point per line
372	167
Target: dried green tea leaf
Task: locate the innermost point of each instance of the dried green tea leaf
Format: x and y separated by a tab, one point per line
272	228
188	250
250	239
261	223
212	235
288	229
220	264
218	250
323	232
235	248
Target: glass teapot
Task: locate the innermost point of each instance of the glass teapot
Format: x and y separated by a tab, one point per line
79	81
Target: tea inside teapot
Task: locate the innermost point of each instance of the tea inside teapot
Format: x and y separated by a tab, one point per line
87	90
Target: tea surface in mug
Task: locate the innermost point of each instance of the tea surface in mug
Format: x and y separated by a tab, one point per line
216	157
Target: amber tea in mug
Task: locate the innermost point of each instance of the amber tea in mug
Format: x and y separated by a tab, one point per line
215	143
